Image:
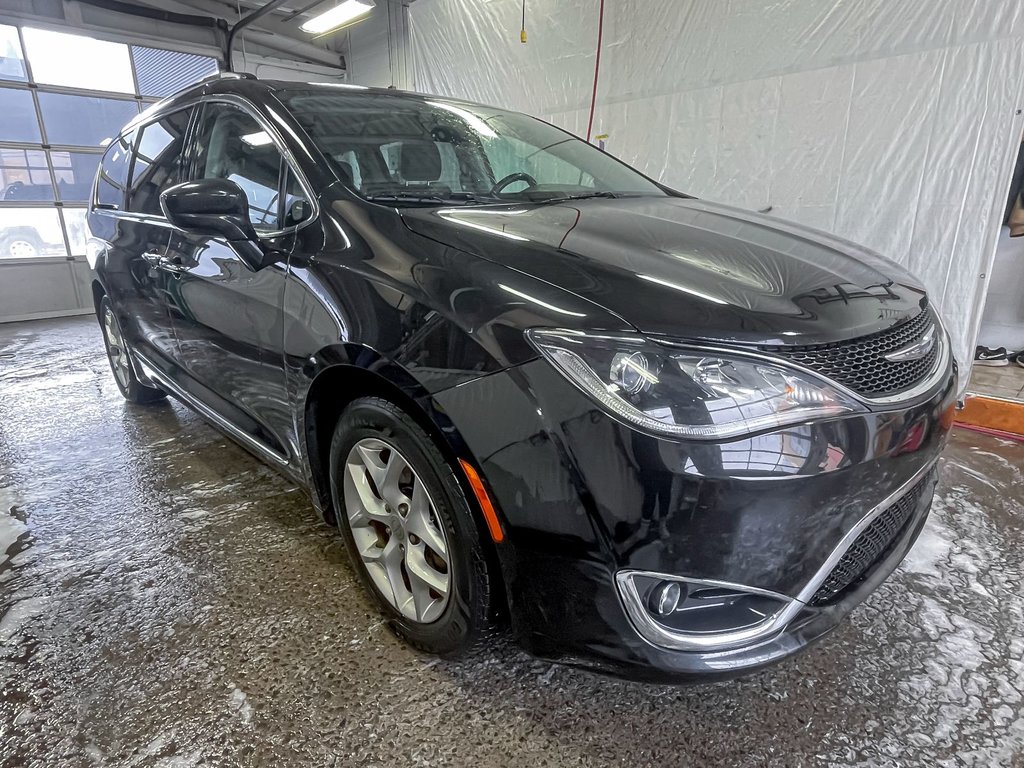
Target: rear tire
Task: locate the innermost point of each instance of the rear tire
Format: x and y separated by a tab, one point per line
120	358
439	603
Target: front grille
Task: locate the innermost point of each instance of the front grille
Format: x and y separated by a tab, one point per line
860	364
874	544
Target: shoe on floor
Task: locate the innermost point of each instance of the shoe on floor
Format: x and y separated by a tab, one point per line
1018	359
991	357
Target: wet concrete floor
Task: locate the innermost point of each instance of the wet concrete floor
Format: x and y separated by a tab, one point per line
166	600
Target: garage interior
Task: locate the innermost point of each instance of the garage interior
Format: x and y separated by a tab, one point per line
167	600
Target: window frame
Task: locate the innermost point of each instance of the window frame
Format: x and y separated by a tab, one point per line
139	127
289	162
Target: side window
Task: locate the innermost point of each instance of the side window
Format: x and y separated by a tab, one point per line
350	163
112	177
157	161
231	144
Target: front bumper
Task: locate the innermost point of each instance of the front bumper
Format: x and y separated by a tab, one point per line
585	499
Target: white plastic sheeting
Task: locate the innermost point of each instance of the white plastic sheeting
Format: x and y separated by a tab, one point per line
889	122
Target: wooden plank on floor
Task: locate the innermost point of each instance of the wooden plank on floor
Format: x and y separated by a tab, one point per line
993	414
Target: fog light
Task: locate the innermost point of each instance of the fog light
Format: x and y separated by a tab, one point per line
665	597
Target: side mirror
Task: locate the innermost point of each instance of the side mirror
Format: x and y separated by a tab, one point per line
216	208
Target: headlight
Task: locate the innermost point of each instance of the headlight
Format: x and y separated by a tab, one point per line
688	393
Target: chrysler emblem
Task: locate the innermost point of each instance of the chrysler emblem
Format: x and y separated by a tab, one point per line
914	351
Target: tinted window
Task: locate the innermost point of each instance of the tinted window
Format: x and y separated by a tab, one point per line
232	145
157	161
447	152
113	175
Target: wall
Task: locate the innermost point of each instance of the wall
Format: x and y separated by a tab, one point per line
377	51
891	124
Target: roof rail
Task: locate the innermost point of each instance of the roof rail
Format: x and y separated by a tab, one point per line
226	76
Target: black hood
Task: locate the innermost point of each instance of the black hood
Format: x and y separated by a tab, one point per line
687	268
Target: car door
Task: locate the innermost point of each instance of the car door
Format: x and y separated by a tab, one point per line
137	243
227	316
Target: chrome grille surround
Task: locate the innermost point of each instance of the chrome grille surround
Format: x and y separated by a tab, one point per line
873	544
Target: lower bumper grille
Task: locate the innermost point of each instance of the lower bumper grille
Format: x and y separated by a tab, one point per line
874	544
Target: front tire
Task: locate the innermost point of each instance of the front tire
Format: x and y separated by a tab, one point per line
408	528
119	357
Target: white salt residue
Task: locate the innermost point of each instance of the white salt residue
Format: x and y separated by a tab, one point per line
240	703
10	531
1001	459
8	499
973	473
19	614
931	551
180	761
33	385
10	528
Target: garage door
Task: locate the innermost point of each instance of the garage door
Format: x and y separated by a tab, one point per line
54	123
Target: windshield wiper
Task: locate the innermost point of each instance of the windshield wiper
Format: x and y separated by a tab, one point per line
457	198
581	196
411	196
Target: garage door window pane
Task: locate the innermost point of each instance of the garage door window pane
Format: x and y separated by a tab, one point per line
12	65
84	121
75	221
30	232
18	121
24	175
75	61
75	172
161	73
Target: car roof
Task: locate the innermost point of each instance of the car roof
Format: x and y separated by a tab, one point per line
247	85
256	90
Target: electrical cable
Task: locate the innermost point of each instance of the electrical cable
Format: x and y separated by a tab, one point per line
391	65
597	67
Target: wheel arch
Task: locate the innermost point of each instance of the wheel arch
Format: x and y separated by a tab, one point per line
98	292
346	373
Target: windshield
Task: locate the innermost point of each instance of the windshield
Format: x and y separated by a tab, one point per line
391	148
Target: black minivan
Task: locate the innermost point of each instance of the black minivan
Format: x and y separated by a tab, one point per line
533	388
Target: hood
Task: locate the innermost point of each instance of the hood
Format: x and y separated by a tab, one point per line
689	269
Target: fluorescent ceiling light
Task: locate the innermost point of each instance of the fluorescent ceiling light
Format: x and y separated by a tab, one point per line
338	16
258	139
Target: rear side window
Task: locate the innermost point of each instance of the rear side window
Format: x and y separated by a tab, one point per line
231	144
112	178
157	163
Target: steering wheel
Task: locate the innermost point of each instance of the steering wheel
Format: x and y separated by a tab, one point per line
511	179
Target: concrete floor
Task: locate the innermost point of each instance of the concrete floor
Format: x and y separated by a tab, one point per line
166	600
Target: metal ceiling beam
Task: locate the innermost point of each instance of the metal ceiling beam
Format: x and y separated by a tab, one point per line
273	37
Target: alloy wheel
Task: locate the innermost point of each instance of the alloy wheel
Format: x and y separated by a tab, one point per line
22	249
115	348
397	530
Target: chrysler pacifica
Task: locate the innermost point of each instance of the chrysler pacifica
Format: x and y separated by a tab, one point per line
533	388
